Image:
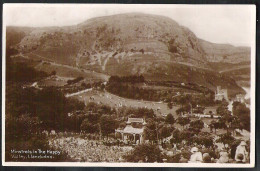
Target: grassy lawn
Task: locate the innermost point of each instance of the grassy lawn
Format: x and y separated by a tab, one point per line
116	101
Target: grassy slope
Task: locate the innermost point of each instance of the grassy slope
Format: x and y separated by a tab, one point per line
120	33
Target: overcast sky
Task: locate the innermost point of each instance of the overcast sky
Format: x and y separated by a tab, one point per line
232	24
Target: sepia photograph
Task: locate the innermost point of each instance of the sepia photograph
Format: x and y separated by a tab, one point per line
122	85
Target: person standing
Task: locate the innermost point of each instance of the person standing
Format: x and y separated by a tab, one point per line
241	149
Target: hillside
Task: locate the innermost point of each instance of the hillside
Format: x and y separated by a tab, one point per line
229	60
225	53
126	44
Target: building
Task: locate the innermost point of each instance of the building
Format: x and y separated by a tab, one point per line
131	133
240	98
210	110
221	94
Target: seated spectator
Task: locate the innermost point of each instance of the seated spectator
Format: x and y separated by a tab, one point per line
206	158
183	159
223	157
196	156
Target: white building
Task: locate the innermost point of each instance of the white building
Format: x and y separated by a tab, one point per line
221	94
240	98
131	133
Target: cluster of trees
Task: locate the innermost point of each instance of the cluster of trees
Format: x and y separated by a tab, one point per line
99	124
78	79
158	128
242	115
239	120
189	103
152	153
146	153
190	138
140	112
133	92
126	87
103	120
29	111
49	105
20	71
127	79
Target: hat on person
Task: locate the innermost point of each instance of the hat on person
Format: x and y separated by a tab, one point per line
194	149
206	158
243	143
240	157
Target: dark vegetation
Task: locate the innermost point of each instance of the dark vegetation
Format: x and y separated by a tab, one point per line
30	110
20	71
146	153
172	47
125	87
129	79
129	87
75	80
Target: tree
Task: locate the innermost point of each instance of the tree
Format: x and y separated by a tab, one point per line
214	125
205	140
236	124
197	125
170	105
146	153
88	126
183	109
187	135
223	109
179	111
183	100
243	113
150	131
183	121
176	137
226	139
53	72
170	119
165	132
222	124
22	127
227	120
108	124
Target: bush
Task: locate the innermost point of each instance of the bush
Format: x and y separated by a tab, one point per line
75	80
146	153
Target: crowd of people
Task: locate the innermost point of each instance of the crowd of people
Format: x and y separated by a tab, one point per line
87	150
91	149
241	155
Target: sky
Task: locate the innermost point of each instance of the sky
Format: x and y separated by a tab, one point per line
228	24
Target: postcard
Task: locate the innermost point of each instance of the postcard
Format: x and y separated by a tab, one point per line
121	85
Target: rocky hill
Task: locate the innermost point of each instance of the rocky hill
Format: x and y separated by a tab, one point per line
225	52
154	46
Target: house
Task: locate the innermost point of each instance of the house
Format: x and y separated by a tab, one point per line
221	94
240	98
133	133
210	111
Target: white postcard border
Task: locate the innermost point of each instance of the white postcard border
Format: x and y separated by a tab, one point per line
102	164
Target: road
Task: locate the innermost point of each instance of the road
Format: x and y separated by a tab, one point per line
106	77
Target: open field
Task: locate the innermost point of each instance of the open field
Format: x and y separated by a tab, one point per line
160	108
